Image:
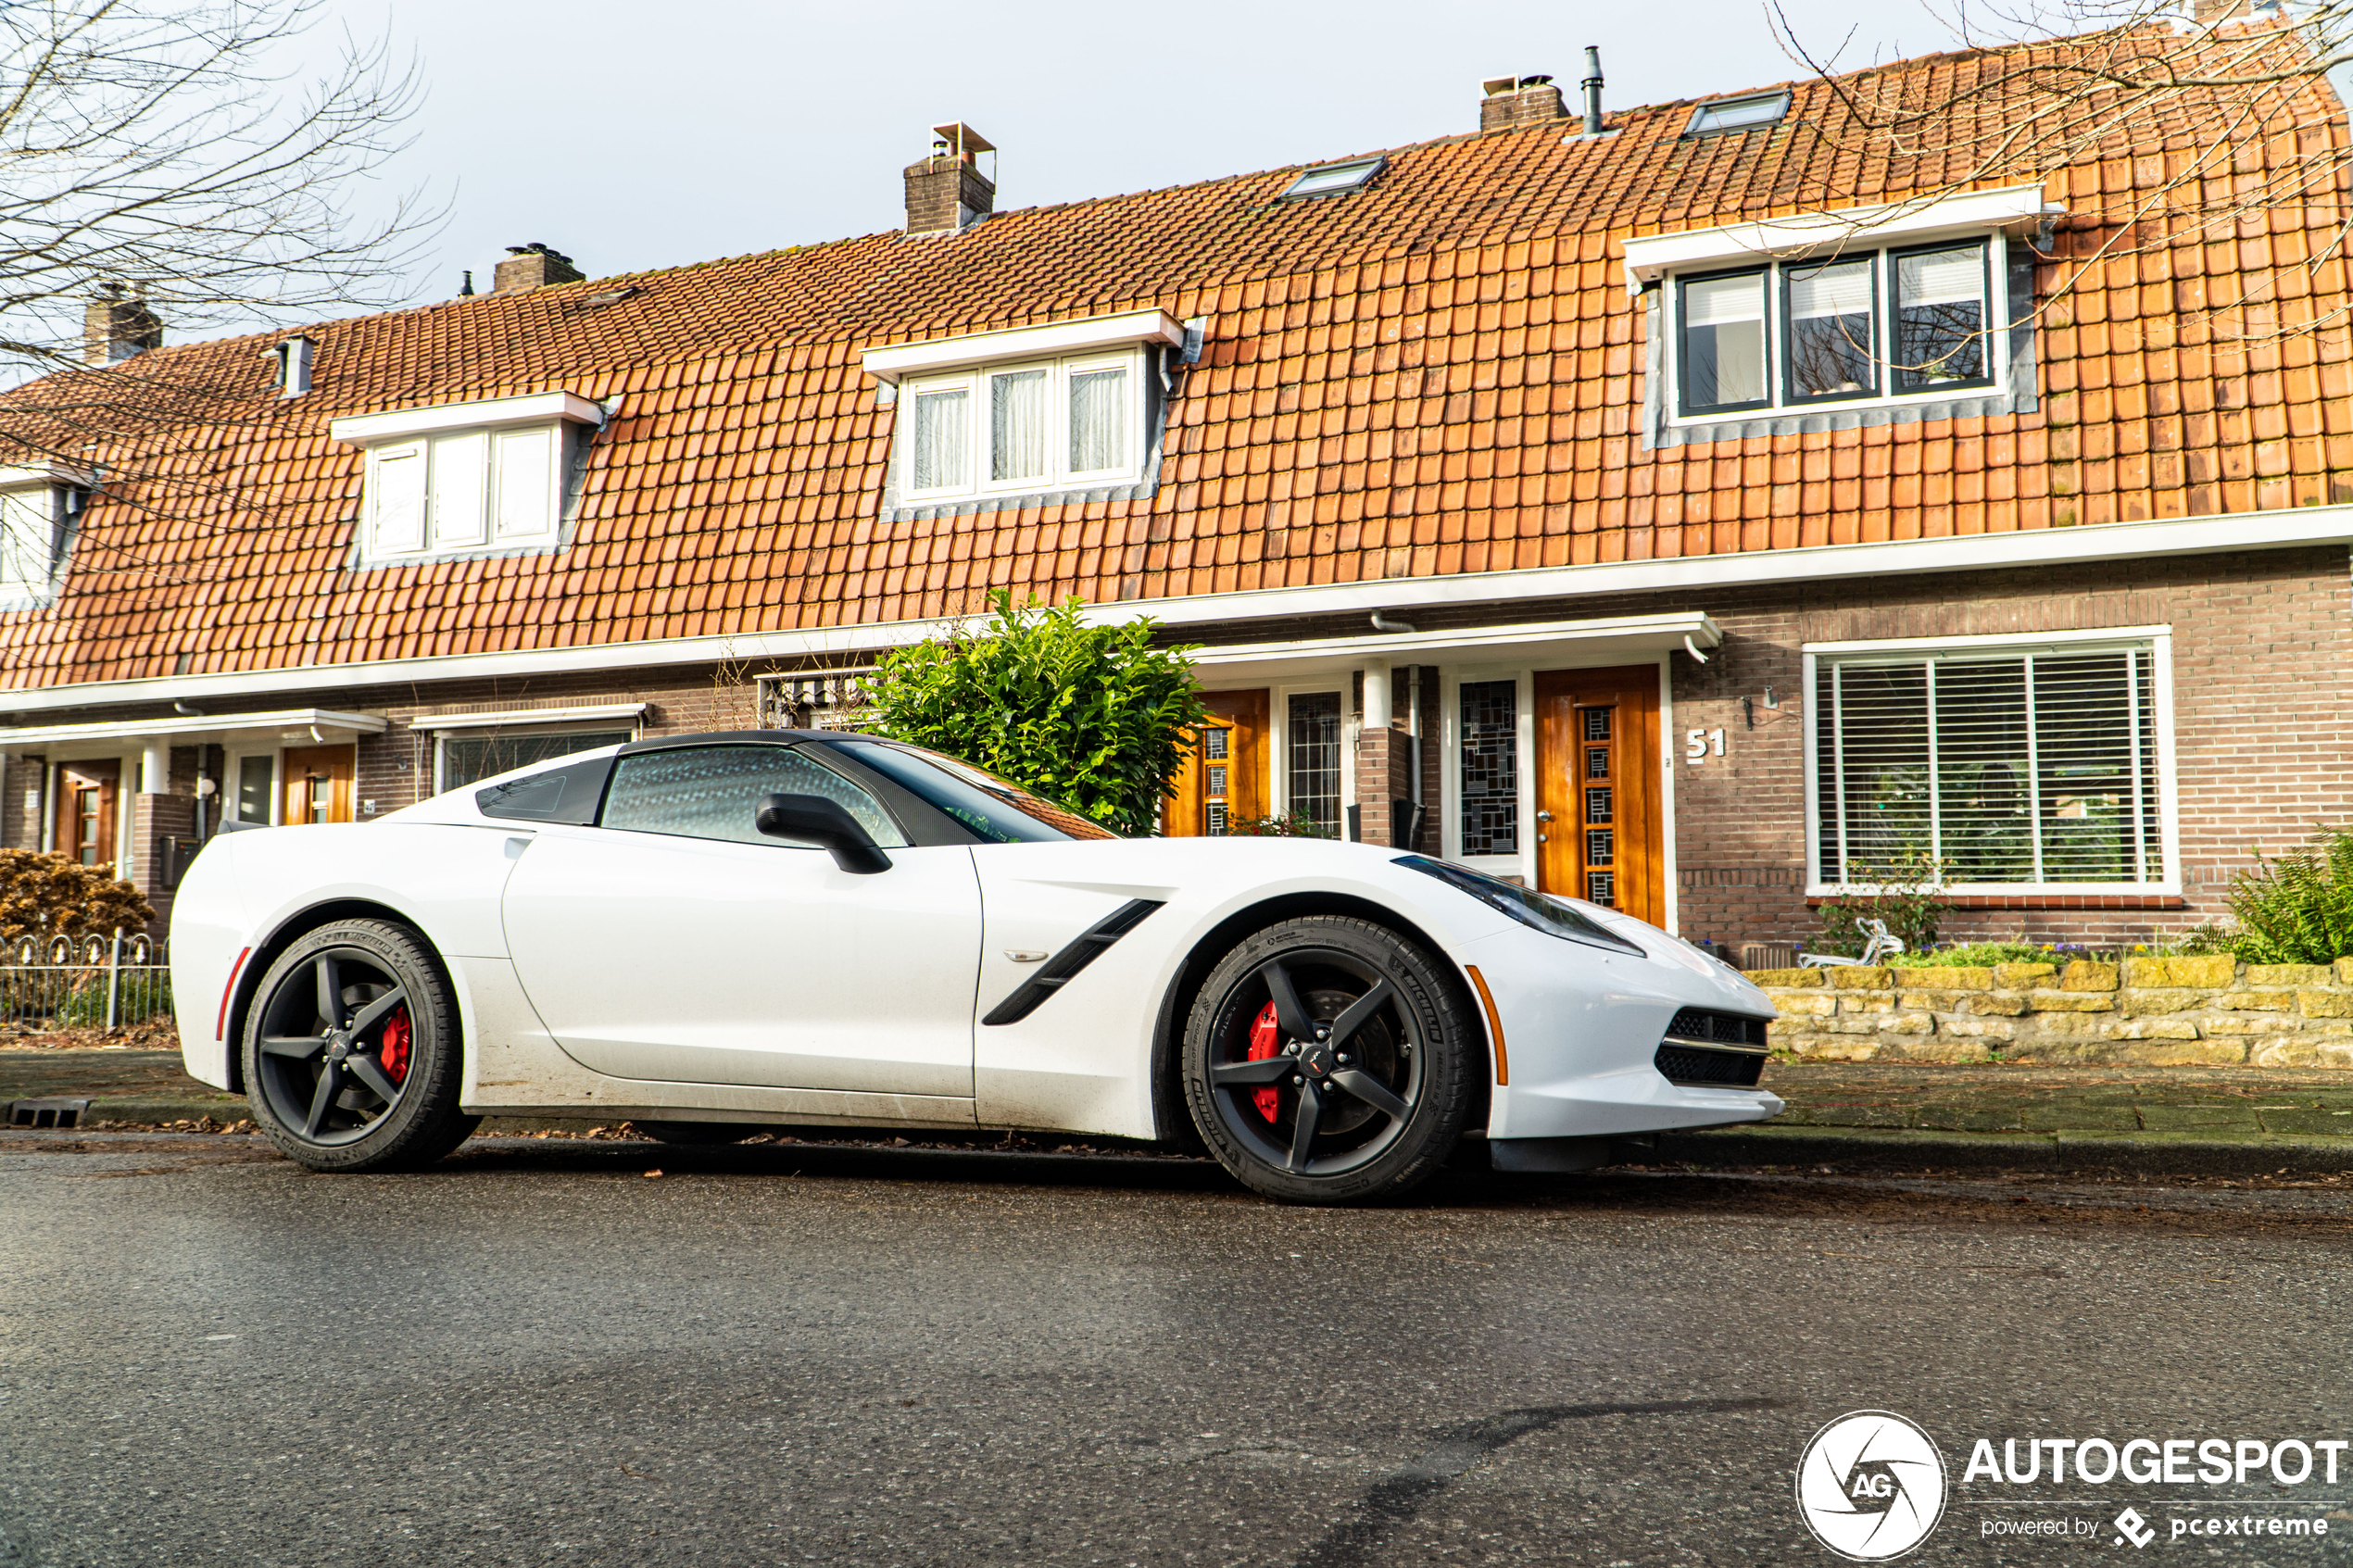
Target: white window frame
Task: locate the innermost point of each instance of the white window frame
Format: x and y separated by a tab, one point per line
33	587
1059	476
550	723
1278	744
233	778
55	490
1882	255
1521	863
2160	642
482	534
537	732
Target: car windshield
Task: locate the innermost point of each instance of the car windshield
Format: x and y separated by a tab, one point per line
993	809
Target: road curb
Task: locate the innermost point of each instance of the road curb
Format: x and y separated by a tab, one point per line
2153	1154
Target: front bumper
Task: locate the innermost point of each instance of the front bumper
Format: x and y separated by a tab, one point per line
1583	1031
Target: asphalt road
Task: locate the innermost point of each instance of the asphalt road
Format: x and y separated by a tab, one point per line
537	1354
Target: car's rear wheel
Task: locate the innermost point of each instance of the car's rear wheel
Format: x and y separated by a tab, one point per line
697	1132
1330	1060
351	1051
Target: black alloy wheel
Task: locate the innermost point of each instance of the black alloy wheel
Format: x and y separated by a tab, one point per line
351	1051
1330	1060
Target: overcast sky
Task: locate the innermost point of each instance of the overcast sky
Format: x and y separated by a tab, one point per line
631	135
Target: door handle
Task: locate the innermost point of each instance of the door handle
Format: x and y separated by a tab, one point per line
1543	816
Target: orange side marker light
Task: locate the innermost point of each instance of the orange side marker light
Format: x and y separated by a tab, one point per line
1494	1024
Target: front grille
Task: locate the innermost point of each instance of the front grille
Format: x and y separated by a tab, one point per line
1697	1064
1699	1026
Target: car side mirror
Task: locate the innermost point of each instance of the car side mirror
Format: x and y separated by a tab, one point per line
814	818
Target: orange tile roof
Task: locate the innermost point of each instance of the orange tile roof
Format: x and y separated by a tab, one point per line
1439	374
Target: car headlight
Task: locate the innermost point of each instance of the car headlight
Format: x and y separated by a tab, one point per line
1545	913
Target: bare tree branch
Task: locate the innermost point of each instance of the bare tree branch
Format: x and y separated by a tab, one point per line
159	156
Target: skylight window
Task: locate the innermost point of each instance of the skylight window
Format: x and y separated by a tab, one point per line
1335	179
1738	114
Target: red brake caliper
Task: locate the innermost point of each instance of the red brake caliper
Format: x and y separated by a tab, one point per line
1264	1033
394	1053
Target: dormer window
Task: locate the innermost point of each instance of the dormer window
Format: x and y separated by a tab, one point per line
466	479
1034	412
36	505
1906	311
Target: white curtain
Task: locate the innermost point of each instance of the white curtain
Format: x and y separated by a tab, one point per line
1017	425
1098	420
939	440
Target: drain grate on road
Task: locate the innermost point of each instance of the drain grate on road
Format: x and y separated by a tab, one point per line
58	1111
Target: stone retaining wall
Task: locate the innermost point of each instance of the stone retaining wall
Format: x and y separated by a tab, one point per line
2162	1012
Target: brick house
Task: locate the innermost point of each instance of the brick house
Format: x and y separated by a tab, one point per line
1654	507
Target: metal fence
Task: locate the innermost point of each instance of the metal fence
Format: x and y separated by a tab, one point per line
85	981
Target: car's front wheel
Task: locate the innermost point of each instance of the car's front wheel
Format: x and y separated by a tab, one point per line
351	1051
1332	1060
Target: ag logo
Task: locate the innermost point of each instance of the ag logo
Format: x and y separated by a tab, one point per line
1871	1485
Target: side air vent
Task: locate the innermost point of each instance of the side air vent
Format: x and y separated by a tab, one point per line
1056	972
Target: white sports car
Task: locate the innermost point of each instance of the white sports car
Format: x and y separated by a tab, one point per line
715	934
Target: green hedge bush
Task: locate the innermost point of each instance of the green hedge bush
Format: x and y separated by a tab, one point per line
1093	716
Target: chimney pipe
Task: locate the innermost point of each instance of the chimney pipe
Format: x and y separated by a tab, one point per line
1593	85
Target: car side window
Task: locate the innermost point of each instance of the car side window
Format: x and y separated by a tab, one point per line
714	792
556	794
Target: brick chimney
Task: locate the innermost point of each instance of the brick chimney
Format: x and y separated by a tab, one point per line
947	190
532	265
118	324
1517	100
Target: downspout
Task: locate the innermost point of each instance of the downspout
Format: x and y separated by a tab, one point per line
1414	728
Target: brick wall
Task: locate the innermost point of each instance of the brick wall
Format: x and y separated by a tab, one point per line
2262	678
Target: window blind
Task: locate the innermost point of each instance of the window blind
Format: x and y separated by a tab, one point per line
2014	769
1843	290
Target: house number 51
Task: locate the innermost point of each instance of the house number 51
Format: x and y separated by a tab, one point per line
1697	744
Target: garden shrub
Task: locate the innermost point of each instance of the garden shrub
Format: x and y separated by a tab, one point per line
1093	716
2297	908
45	896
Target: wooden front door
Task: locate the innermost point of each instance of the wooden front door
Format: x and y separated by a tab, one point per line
1224	777
1597	790
86	795
318	784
